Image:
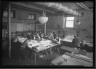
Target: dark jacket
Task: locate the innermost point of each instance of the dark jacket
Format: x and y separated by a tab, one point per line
75	41
86	47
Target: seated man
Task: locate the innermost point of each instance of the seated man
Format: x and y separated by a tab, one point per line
51	36
76	42
57	39
36	37
25	49
84	46
54	35
63	34
25	44
42	35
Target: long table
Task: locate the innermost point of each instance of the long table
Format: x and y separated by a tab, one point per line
68	59
67	42
70	40
41	46
73	50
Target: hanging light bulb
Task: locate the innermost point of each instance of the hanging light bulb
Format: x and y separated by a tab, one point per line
43	19
78	22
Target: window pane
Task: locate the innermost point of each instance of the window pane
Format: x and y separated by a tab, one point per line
29	17
11	14
5	14
69	24
70	18
32	17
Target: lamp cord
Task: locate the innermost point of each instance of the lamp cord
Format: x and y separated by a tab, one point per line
44	14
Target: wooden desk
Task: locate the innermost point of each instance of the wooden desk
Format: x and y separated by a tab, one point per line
44	47
73	50
68	60
41	46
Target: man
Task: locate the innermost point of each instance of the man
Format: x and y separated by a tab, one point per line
84	46
76	42
36	36
57	39
54	35
51	37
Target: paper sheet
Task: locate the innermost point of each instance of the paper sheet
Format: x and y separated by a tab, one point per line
65	56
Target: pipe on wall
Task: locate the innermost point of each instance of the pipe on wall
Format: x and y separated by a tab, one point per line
60	7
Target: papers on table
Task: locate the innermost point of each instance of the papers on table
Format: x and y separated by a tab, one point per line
66	56
40	45
66	39
33	43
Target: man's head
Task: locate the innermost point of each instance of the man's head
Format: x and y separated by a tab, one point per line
75	36
83	42
29	37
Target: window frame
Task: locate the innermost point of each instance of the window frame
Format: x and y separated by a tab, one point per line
13	14
66	23
32	15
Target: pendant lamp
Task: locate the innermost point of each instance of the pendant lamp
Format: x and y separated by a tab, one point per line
43	19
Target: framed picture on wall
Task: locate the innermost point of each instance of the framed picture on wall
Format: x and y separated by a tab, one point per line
32	16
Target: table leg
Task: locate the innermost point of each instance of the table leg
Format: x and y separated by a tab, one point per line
50	53
54	47
57	49
46	52
35	58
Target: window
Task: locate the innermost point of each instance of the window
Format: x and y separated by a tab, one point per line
32	16
70	22
5	13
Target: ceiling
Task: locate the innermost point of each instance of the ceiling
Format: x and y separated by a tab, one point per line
38	8
75	6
